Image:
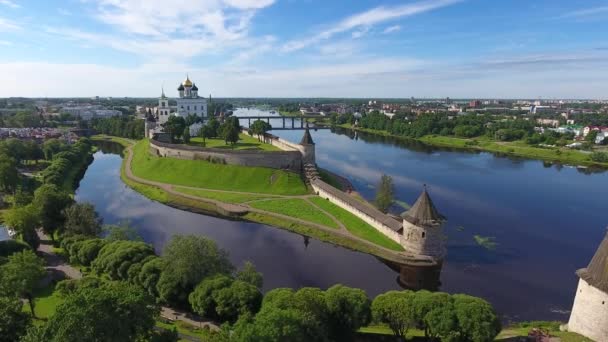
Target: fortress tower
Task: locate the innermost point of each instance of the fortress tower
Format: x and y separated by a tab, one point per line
589	316
308	147
423	228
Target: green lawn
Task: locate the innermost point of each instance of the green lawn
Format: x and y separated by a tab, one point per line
221	196
297	208
246	142
204	174
356	226
46	301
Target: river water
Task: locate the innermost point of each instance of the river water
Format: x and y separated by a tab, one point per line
547	221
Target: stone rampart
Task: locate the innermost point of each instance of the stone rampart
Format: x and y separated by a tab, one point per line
589	315
290	160
383	223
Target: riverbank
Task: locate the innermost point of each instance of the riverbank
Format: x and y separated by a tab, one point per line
301	215
516	149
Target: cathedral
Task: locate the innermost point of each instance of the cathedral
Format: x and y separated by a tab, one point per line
188	103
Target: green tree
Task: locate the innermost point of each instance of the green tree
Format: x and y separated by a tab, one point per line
395	309
21	275
82	219
237	299
273	324
385	195
189	259
441	321
13	321
50	201
186	135
250	275
121	231
214	126
175	126
24	221
149	274
114	311
349	309
259	128
202	299
591	136
230	130
477	320
9	176
115	258
206	132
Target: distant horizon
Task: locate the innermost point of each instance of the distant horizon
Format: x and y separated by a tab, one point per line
517	49
317	97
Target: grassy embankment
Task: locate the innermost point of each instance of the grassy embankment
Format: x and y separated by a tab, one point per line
157	194
296	207
514	148
509	333
246	142
356	226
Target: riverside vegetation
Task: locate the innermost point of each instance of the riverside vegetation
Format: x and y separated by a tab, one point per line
515	137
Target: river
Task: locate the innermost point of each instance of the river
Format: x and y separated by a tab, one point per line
547	221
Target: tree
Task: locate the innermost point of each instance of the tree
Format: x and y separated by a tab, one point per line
591	136
237	299
477	320
50	201
202	299
230	130
24	221
115	258
214	126
85	251
205	132
50	148
273	324
175	126
9	176
395	309
149	274
441	321
250	275
385	195
349	309
186	135
13	321
259	128
21	274
114	311
121	231
189	259
82	219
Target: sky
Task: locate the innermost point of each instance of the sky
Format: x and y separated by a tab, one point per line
305	48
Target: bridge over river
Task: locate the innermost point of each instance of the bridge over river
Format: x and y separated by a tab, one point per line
297	122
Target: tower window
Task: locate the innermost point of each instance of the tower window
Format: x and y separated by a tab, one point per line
423	234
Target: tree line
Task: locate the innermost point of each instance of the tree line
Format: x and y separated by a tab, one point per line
120	126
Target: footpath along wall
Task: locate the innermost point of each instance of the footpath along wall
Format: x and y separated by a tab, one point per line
287	160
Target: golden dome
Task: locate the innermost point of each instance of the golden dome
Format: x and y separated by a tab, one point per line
187	82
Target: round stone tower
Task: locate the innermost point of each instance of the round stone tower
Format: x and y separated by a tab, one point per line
307	148
589	316
423	229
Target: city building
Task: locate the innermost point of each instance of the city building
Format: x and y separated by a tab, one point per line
589	316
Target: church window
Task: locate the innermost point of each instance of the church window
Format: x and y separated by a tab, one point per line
188	107
194	107
182	107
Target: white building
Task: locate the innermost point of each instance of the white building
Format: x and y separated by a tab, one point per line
189	102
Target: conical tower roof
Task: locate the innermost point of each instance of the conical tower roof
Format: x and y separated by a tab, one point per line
423	212
307	138
596	274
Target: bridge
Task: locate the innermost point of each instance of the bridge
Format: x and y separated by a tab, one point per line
297	122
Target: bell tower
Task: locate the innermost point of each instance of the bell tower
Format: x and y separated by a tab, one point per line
163	108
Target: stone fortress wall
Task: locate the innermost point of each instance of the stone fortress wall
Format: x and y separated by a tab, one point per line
288	160
383	223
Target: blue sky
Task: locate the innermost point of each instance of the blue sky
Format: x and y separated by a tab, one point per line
305	48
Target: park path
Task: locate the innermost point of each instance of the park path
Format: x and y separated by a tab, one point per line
57	266
241	208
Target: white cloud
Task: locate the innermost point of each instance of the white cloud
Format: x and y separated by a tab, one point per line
391	29
9	3
8	25
5	43
587	12
367	19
